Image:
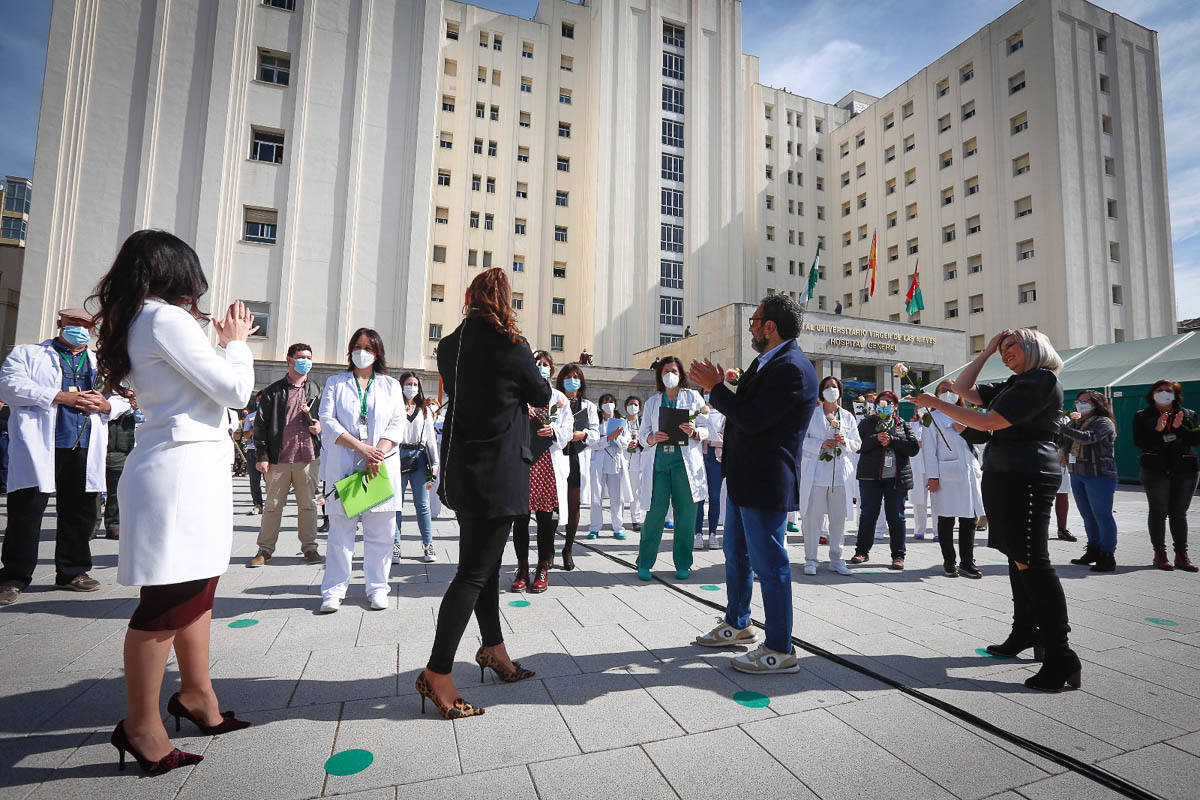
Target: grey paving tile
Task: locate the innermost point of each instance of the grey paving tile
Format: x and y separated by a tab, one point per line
26	704
524	708
895	607
756	773
1176	650
1190	743
836	761
257	684
512	782
1067	786
544	613
656	602
696	695
599	608
668	638
320	631
27	761
626	772
601	647
1162	769
608	710
357	672
1180	710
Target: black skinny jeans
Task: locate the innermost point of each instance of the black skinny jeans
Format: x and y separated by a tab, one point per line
1019	506
547	526
966	540
476	587
1169	494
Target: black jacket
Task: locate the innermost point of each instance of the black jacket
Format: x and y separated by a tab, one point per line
870	456
272	416
1176	455
120	433
485	440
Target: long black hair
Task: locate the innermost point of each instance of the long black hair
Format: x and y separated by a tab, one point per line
150	264
420	398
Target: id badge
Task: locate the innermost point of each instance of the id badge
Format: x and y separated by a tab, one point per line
362	431
72	389
1071	458
889	465
1168	437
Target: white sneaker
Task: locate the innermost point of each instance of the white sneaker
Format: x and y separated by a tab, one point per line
699	544
715	542
764	661
725	635
430	556
810	568
330	605
396	554
840	568
378	601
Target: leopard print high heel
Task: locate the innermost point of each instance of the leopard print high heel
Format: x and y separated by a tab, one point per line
487	660
460	708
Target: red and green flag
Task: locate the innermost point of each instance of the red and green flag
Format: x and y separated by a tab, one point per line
913	302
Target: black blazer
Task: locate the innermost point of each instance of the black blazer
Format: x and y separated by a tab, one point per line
485	441
765	421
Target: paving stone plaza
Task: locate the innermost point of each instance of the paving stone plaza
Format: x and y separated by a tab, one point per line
623	705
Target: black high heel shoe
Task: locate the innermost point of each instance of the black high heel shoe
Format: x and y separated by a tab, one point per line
1016	643
230	723
172	760
1057	672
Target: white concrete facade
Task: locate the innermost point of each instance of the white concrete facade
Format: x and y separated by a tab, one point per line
344	193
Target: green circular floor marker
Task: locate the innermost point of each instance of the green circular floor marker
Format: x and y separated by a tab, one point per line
348	762
708	587
519	603
1158	621
752	699
983	652
243	623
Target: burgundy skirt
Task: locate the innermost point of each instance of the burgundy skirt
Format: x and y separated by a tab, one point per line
174	605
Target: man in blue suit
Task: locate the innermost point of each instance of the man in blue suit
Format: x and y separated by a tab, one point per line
766	414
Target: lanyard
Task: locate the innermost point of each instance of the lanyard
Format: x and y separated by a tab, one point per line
75	367
363	394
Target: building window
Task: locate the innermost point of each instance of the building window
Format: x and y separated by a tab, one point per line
262	318
968	110
1015	42
889	155
673	34
977	343
894	286
971	185
672	133
672	203
519	227
274	67
845	150
943	87
768	142
891	220
497	42
846	209
966	73
560	269
948	233
487	259
524	119
560	198
970	147
472	258
474	219
1020	165
1101	43
950	271
862	201
889	121
478	147
946	159
670	310
1106	124
910	142
495	77
1110	208
564	164
1027	293
556	342
265	145
446	140
441	215
672	99
518	263
860	140
672	167
13	228
861	170
912	247
1114	251
890	186
482	75
910	177
564	96
523	155
443	178
1019	123
906	110
494	116
1016	83
261	225
973	225
1117	296
489	222
527	84
819	155
283	5
770	263
672	65
944	124
1025	250
564	130
910	211
568	30
670	274
1109	166
475	182
526	49
845	179
1118	335
770	233
437	293
435	332
974	264
558	305
951	309
518	301
566	63
976	301
439	254
947	195
671	238
490	186
893	253
479	110
560	233
447	102
1023	207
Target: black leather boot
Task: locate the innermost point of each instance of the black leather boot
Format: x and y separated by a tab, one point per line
1024	633
1105	562
1090	554
1061	665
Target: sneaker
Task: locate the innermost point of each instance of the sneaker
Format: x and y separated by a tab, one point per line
80	583
970	571
9	593
919	535
396	553
430	556
637	527
713	542
793	528
858	558
324	526
313	557
764	661
810	568
725	635
593	534
840	568
378	601
669	525
950	570
897	564
1067	536
620	535
699	544
259	560
256	511
330	605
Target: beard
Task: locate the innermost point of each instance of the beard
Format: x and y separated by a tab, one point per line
759	343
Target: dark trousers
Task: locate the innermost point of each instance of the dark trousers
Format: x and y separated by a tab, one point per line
966	540
712	473
3	462
76	511
871	494
113	467
547	525
255	485
1168	494
1019	506
476	587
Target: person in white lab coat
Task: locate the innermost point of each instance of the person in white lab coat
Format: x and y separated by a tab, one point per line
58	440
573	384
918	496
635	454
714	422
362	420
610	470
176	492
827	479
954	477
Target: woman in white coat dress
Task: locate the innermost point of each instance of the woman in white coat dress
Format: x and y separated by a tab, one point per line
573	384
362	419
827	480
918	496
610	468
176	492
954	477
635	453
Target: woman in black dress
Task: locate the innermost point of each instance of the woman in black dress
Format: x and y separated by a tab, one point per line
1021	475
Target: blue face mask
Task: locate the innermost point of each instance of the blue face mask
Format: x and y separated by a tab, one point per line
884	411
138	417
572	385
545	370
76	335
303	365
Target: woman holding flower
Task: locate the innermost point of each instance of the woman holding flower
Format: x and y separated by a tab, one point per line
884	476
827	478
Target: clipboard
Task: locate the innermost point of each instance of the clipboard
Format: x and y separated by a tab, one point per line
581	424
669	420
359	494
538	445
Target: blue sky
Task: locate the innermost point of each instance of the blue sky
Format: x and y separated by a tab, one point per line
813	47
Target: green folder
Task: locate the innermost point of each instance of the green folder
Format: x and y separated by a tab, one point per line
359	494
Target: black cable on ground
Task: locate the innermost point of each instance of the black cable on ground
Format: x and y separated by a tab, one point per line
1090	771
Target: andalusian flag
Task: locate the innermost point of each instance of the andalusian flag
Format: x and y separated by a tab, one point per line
813	272
871	263
913	302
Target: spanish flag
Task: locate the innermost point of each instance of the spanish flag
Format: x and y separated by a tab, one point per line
871	262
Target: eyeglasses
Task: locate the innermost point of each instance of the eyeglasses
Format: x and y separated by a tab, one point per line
756	319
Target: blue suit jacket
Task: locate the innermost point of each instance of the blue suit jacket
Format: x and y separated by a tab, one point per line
765	423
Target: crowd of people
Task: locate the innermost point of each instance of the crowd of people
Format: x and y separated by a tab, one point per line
520	443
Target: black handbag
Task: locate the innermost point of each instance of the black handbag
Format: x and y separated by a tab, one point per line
410	455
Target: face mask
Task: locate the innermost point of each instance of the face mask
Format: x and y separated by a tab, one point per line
884	410
830	394
670	380
410	391
948	397
545	370
302	366
1164	398
609	408
1084	408
572	385
362	358
76	335
632	410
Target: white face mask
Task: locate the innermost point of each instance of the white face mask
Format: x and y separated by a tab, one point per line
670	380
1164	398
410	391
362	358
948	397
830	394
609	408
632	410
1083	408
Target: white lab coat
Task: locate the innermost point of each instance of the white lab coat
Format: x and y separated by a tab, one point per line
606	462
564	428
844	465
29	380
957	469
585	455
385	420
693	457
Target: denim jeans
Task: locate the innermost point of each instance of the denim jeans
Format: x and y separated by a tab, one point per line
712	471
871	494
756	539
1094	499
415	481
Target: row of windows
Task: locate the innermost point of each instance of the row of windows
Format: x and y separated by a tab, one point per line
497	41
13	227
17	197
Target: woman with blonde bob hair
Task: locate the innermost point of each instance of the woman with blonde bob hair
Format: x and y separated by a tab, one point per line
1021	475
